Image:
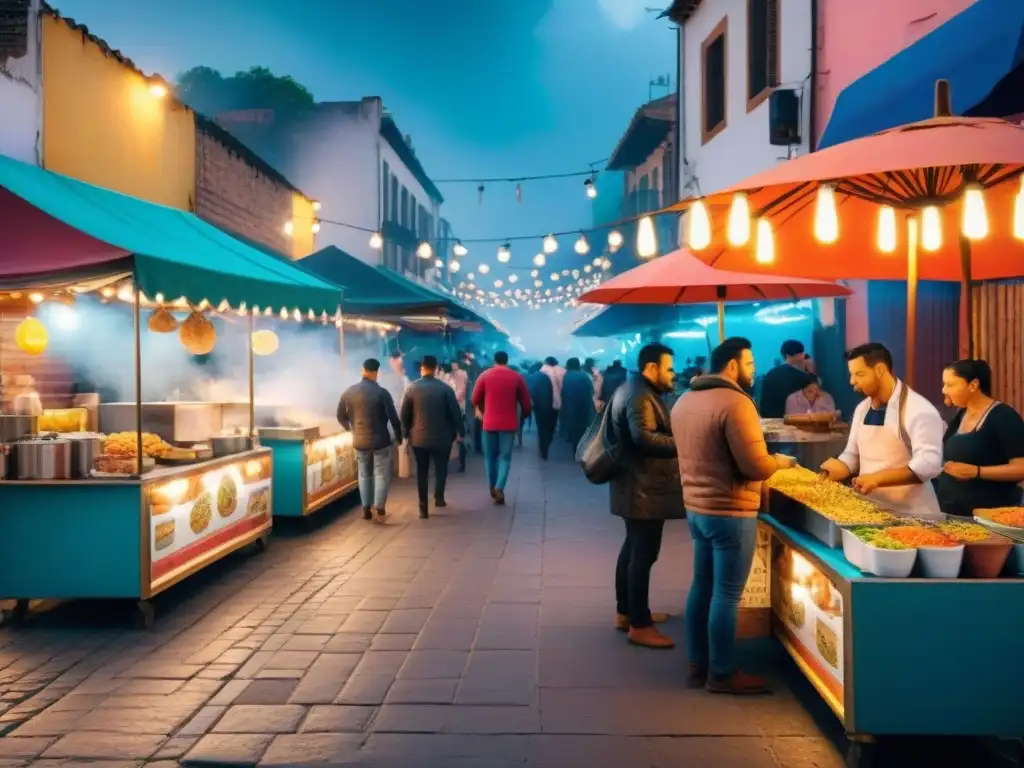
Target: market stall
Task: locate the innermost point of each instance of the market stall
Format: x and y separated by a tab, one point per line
808	438
168	485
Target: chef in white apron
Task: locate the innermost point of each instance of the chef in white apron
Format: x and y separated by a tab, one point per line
895	445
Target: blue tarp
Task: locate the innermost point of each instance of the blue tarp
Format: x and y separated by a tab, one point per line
975	50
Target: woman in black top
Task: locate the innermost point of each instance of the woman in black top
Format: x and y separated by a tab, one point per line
983	446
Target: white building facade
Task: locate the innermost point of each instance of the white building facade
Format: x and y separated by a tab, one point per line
733	55
20	81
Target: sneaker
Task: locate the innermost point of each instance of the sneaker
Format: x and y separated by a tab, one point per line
739	684
440	503
696	676
499	498
381	514
367	513
649	637
494	493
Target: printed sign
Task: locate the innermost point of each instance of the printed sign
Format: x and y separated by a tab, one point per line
756	594
330	468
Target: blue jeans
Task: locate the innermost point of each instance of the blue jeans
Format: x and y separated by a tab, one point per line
374	477
723	553
498	457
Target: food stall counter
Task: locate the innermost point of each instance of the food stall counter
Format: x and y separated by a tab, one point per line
311	469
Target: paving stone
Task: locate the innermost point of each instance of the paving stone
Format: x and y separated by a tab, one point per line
427	665
445	747
104	746
365	690
27	747
312	748
77	702
364	622
326	678
50	724
261	718
174	749
405	622
229	692
266	692
202	721
217	749
159	720
492	720
379	604
349	642
409	718
403	642
457	634
291	660
334	718
381	662
314	643
422	692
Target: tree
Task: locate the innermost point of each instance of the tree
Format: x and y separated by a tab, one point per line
206	90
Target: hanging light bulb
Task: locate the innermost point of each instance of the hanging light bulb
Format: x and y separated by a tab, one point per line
498	283
765	247
826	219
614	240
1018	212
646	240
438	263
454	266
425	251
513	278
698	225
459	250
534	272
582	247
931	229
540	260
289	228
590	187
975	219
555	276
739	220
550	244
316	227
504	253
376	241
471	277
887	229
538	283
483	269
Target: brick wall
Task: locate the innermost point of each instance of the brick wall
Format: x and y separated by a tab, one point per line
233	194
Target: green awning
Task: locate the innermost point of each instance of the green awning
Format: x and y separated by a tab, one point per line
174	253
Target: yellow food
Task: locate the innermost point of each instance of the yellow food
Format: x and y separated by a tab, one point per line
201	514
1010	516
259	504
126	444
63	420
964	532
827	642
227	496
164	534
832	500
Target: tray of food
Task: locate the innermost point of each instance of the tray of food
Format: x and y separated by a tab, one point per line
1008	521
175	456
119	466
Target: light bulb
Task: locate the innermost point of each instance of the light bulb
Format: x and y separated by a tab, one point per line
739	220
424	251
555	276
582	247
504	254
513	278
35	298
646	240
765	247
158	90
376	241
550	244
289	228
698	225
538	283
316	227
454	266
498	283
591	189
887	229
316	205
438	263
975	219
614	240
931	229
459	249
826	219
534	272
483	269
540	260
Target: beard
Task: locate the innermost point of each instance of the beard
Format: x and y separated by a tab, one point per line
745	382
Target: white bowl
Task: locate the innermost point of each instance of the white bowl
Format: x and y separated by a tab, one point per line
890	563
940	562
855	550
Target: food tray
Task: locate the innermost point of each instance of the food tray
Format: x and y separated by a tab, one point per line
1009	531
791	512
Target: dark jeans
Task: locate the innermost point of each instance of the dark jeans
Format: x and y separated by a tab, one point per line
440	457
633	571
478	435
547	419
723	553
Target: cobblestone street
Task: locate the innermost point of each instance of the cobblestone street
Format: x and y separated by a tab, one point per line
481	637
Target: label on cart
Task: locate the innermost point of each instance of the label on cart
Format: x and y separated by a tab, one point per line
330	467
193	514
757	592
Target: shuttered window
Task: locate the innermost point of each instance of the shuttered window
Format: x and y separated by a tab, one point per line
762	50
714	81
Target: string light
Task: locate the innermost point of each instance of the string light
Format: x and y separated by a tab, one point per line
826	218
376	241
483	269
550	244
316	227
698	225
289	228
540	260
454	266
582	247
590	187
739	220
887	229
614	240
765	247
459	250
504	253
975	218
425	250
931	229
646	240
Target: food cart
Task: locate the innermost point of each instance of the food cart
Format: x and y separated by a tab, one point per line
929	648
173	486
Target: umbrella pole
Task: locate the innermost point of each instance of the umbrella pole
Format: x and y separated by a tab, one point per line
911	299
721	321
966	300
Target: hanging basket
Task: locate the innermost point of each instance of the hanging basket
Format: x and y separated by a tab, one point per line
197	334
162	321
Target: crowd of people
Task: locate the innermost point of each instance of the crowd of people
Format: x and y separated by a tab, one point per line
704	460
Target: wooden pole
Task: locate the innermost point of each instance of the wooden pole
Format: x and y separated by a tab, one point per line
911	299
966	300
252	384
721	321
137	323
943	99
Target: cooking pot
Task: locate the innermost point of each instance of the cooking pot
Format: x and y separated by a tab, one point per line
230	444
44	459
17	427
5	462
85	447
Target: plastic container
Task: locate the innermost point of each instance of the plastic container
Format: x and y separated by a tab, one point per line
855	550
889	563
940	562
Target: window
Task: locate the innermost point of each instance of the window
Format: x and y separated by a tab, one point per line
385	186
404	220
762	50
656	187
714	76
394	198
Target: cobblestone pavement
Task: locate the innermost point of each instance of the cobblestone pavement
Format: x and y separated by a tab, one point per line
480	637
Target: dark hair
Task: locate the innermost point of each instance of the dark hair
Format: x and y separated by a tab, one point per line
873	354
970	369
550	361
428	363
371	365
501	358
792	347
652	353
395	355
573	364
725	353
740	341
616	363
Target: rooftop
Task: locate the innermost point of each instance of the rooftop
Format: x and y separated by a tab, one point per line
650	126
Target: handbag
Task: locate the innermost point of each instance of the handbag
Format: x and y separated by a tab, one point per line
597	453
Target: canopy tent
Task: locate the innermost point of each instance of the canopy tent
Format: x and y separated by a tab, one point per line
54	225
979	51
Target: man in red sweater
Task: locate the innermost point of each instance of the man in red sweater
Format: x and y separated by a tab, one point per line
501	394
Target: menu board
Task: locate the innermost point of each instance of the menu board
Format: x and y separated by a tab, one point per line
330	468
195	513
809	612
756	593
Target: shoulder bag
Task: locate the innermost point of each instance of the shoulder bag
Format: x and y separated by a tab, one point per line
597	453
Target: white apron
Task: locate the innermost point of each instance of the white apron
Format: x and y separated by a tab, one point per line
882	448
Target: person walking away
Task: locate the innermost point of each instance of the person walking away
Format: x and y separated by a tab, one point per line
590	368
367	410
723	459
501	394
894	450
783	380
542	399
614	377
646	492
556	373
458	380
577	401
432	421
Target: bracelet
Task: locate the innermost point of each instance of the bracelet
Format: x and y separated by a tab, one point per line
977	475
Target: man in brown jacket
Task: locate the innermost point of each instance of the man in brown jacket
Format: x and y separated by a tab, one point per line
723	460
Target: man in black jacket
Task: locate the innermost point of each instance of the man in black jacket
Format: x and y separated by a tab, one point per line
432	420
366	409
614	377
542	396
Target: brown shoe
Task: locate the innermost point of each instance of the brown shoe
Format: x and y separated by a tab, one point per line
740	684
696	675
649	637
622	621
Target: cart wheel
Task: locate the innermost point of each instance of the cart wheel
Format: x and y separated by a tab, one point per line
860	754
144	615
262	543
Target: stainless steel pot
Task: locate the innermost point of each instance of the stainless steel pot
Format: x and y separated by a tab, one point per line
226	446
17	427
5	462
43	459
84	450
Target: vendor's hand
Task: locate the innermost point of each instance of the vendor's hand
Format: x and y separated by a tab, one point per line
866	483
784	461
834	470
960	471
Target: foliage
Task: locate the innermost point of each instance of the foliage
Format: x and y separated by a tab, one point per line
208	91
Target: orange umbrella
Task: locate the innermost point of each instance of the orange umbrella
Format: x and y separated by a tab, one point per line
949	187
681	278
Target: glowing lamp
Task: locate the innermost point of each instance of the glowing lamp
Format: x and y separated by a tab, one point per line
31	337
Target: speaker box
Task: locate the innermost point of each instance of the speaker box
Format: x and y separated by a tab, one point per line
783	118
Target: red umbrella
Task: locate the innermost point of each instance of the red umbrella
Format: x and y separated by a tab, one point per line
681	278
